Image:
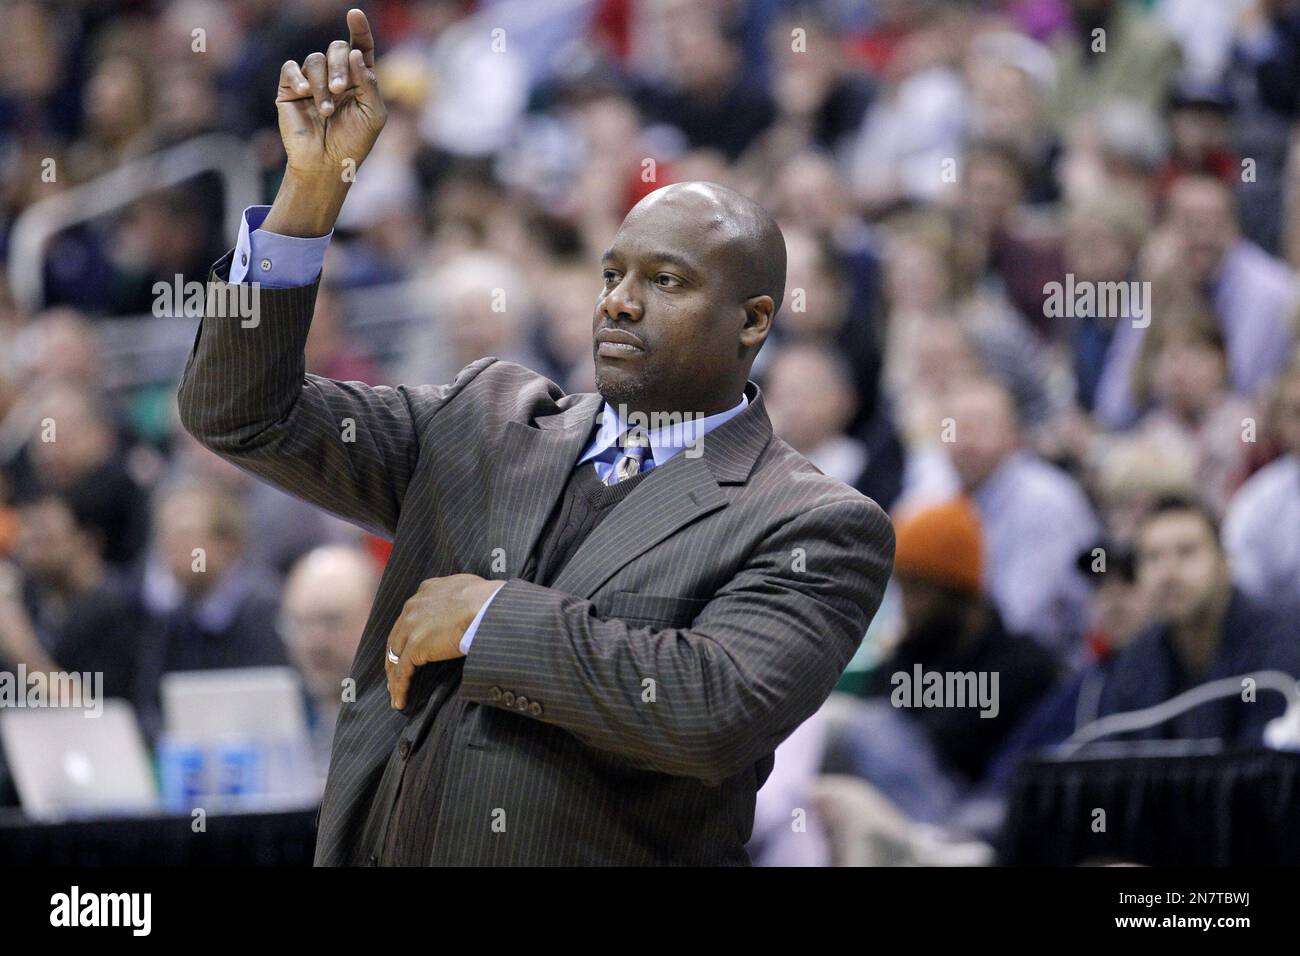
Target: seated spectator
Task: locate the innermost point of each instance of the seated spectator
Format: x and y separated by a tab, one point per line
223	610
1035	518
811	399
1182	372
1253	294
928	759
1261	532
1203	628
326	601
76	452
84	613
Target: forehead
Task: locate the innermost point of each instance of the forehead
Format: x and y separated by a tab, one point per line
1180	527
675	228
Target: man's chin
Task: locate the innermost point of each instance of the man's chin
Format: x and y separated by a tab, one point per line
620	386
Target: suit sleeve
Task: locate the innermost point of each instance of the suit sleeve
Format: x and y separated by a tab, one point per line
709	700
245	394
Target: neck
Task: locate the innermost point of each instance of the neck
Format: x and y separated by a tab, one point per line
1196	639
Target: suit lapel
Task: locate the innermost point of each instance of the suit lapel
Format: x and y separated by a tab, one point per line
534	464
669	498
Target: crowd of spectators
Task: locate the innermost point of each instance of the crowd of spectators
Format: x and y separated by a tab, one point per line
1041	305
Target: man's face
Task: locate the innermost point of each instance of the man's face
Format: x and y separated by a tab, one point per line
48	539
668	320
324	624
184	524
985	432
1202	217
1180	565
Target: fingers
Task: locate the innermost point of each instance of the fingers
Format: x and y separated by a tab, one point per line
397	641
314	68
360	37
362	80
293	85
336	65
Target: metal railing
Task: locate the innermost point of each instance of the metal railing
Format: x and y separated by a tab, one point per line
229	157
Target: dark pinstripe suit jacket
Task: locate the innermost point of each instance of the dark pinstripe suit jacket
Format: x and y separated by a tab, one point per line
700	623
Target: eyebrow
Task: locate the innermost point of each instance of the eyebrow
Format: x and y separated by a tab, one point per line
669	258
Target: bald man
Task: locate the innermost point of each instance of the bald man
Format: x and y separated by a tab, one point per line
603	611
326	600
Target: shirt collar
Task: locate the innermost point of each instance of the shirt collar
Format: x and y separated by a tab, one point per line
669	434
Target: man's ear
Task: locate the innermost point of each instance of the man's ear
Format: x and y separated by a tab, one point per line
758	321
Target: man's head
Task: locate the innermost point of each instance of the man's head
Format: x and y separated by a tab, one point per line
326	601
52	539
987	429
1180	564
692	281
1202	214
811	395
198	515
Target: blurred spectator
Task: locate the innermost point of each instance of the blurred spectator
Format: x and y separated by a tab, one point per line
1113	50
213	609
329	351
1200	128
1182	374
480	306
85	615
701	86
1204	629
811	399
1035	517
326	601
1254	295
73	451
953	632
1262	529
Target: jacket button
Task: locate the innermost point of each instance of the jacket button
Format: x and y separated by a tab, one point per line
495	693
373	861
404	749
535	709
521	702
508	698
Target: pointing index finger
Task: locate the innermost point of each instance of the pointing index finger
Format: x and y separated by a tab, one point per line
360	37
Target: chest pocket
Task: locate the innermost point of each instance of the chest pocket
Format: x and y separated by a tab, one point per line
639	609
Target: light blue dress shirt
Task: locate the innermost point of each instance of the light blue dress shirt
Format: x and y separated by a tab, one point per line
273	260
282	262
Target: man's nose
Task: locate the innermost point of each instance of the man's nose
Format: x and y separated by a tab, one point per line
622	304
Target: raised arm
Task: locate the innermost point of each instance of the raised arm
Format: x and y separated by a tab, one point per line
245	393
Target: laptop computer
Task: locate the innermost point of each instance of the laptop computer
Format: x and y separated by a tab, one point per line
260	702
66	764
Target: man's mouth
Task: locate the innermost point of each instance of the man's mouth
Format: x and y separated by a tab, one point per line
616	343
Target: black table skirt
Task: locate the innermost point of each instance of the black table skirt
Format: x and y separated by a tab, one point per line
281	838
1225	809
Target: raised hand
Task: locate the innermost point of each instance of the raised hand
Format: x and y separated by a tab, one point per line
330	116
330	109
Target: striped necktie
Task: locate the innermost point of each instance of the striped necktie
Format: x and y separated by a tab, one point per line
635	445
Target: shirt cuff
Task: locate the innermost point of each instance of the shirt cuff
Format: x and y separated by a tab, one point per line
273	260
470	631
